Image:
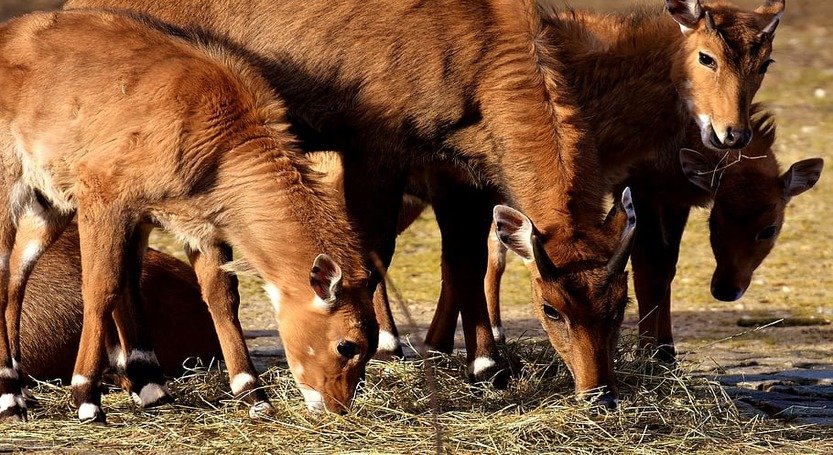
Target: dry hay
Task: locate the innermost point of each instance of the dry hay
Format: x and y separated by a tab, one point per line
662	411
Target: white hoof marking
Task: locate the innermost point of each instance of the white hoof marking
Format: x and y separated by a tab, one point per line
480	364
10	400
79	380
240	381
498	332
150	393
147	357
88	411
387	341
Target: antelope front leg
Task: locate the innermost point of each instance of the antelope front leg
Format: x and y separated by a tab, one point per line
219	290
12	405
494	273
389	344
104	235
654	257
145	380
40	228
463	214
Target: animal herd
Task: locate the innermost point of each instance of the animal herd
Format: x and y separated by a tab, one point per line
297	139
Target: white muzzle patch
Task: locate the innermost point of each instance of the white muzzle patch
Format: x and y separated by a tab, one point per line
313	399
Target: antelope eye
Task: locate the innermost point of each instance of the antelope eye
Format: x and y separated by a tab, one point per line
347	349
765	66
767	233
707	61
551	312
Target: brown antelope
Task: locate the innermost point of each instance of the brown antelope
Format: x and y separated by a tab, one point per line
182	133
463	87
50	327
644	79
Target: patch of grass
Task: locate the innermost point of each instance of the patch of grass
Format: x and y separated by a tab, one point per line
663	411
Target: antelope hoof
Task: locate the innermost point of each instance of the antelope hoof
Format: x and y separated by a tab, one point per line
485	369
30	399
261	410
389	346
607	401
152	395
667	354
12	408
91	413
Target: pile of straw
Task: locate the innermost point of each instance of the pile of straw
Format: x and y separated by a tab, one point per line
401	409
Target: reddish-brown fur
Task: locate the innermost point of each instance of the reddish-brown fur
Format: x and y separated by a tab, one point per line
172	131
50	327
486	109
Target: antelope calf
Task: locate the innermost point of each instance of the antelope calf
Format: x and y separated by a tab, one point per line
129	126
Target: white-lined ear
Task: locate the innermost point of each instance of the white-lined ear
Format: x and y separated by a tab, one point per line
325	278
801	176
687	13
773	24
630	211
697	168
515	231
620	256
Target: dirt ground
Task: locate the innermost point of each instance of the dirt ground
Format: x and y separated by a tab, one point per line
794	282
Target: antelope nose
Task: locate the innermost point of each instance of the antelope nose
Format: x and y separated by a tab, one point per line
737	139
726	293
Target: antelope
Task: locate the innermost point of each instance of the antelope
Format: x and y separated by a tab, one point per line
695	67
485	110
179	132
180	324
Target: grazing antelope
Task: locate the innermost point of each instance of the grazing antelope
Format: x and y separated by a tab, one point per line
50	327
646	78
155	129
465	88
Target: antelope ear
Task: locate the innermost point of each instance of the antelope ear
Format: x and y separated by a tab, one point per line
696	168
325	278
771	7
515	231
774	9
619	260
801	176
687	13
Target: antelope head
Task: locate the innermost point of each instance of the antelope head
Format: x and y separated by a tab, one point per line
748	209
580	303
721	64
328	339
